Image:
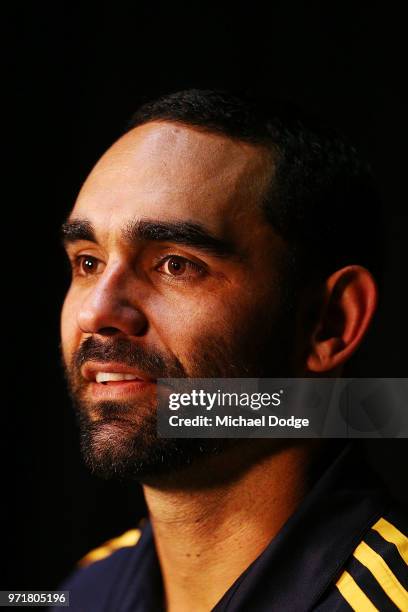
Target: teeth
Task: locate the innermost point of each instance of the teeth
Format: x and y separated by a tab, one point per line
102	377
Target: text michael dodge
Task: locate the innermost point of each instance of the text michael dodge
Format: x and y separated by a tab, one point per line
238	421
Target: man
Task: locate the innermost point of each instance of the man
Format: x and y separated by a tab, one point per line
218	238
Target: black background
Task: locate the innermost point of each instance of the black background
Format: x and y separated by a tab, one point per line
74	73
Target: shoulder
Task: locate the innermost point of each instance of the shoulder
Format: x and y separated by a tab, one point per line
97	573
375	576
129	538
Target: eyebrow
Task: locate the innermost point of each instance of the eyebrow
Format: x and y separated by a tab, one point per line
77	229
179	232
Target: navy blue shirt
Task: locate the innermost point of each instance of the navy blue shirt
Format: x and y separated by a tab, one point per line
345	548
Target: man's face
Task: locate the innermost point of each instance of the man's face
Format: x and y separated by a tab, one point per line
175	273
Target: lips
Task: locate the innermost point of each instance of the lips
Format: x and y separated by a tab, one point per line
104	377
99	372
114	380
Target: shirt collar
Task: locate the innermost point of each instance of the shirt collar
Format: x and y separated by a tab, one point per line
307	553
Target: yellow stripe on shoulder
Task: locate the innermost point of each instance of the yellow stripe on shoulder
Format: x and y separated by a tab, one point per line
393	535
129	538
383	574
355	597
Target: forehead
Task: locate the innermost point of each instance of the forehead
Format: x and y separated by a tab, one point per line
169	171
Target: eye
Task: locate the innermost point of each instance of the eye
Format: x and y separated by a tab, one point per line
176	266
86	265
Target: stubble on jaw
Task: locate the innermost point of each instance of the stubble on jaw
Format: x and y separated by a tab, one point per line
119	439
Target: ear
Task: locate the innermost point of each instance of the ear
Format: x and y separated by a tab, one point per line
350	300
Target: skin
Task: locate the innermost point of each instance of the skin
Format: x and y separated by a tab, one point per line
208	528
166	172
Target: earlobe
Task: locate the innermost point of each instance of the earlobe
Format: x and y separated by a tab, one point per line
350	300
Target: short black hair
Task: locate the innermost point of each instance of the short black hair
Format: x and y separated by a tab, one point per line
322	198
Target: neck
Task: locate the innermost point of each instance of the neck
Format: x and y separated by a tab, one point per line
207	531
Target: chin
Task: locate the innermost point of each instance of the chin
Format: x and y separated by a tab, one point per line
123	450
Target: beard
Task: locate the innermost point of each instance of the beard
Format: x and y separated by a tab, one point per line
119	439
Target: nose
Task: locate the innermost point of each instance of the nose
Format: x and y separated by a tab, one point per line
111	306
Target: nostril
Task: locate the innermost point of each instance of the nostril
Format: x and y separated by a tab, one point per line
109	331
111	317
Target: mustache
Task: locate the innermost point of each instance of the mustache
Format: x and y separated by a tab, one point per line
150	361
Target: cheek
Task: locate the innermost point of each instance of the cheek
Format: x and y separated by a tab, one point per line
185	323
70	333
